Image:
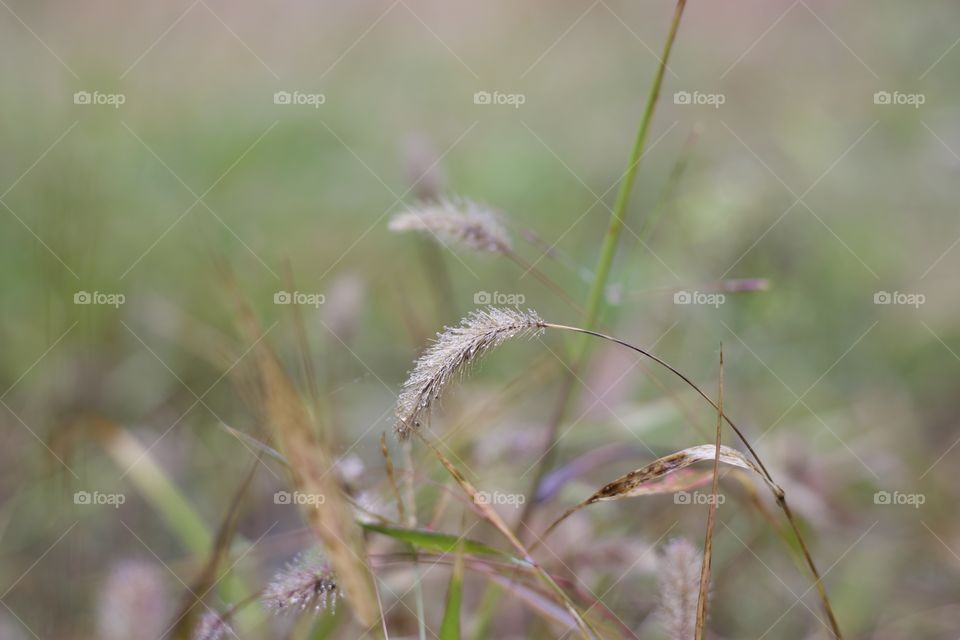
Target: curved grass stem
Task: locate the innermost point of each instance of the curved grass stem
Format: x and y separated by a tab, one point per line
775	488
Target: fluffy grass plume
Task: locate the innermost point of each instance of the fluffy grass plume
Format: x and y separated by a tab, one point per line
678	578
460	221
212	626
454	349
305	583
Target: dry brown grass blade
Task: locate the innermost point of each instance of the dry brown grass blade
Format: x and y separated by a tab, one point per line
303	342
636	483
312	467
494	518
632	483
711	517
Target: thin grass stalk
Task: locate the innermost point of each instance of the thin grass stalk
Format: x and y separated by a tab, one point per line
821	589
411	522
392	478
207	578
440	507
711	518
607	252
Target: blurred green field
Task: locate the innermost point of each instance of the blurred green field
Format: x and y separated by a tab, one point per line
802	176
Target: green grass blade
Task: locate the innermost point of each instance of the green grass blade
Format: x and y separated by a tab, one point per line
438	542
450	626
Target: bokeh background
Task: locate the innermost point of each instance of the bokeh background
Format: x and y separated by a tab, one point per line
802	177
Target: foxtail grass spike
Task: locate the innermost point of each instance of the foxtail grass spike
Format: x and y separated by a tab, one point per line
212	626
459	221
453	351
678	578
305	583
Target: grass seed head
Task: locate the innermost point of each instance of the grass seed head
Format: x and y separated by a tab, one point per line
305	583
458	222
678	578
453	351
212	626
